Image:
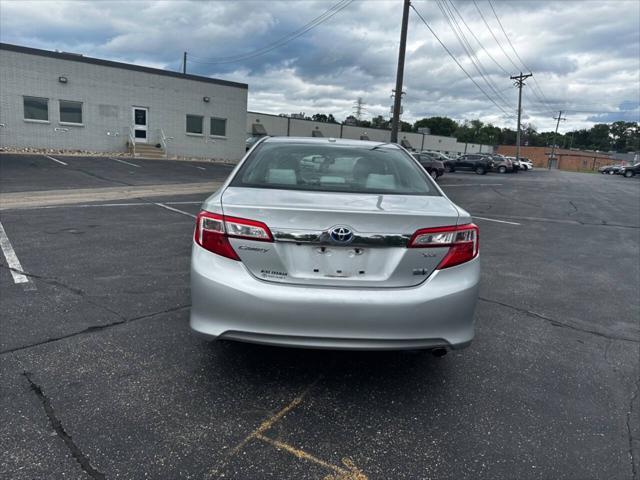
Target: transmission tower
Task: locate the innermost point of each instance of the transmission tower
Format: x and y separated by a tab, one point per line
358	108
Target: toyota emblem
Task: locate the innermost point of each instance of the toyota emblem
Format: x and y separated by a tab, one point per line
341	234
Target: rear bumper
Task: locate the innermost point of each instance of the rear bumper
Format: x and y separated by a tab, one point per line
229	303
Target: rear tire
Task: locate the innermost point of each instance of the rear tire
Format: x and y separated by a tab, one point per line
451	169
611	172
502	169
434	174
480	170
629	173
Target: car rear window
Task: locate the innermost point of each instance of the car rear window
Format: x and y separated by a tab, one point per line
334	168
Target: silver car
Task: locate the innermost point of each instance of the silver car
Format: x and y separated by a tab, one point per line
359	249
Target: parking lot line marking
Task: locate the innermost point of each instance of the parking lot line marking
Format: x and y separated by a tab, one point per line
96	205
494	220
471	184
174	209
17	200
12	258
351	472
123	161
201	168
56	160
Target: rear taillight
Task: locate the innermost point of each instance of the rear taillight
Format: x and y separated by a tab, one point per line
213	232
463	242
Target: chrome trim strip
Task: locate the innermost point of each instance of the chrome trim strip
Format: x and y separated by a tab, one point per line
359	239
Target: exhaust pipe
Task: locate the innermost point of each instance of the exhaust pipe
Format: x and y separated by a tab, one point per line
439	352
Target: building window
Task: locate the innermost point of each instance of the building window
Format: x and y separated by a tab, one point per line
194	124
36	108
218	127
70	112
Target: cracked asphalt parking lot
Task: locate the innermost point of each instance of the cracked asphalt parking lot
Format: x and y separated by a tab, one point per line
101	377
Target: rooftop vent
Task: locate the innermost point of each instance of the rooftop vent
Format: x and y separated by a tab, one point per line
258	129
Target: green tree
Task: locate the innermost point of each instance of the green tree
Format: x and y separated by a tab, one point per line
437	125
379	122
468	131
599	137
320	117
405	126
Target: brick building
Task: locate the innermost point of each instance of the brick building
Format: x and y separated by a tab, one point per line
574	160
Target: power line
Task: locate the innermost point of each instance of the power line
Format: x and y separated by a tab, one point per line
543	97
326	15
462	40
479	42
505	35
494	36
458	63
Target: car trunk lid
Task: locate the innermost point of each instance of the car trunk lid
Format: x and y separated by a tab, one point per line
338	239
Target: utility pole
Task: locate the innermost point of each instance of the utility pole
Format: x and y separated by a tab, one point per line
553	147
397	101
519	82
184	63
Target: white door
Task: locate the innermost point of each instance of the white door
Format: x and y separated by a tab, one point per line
141	124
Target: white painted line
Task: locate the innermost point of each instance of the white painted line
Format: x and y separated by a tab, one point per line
470	184
12	258
56	160
96	205
174	209
201	168
494	220
122	161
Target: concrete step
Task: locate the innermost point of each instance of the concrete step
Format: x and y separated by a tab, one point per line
145	150
148	148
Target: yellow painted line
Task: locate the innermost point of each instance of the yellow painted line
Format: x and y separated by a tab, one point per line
351	472
263	427
271	421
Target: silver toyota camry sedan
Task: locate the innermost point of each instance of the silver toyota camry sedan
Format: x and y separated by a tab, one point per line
341	244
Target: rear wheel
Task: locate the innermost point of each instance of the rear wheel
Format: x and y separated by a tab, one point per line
629	173
611	172
434	174
450	169
502	169
480	170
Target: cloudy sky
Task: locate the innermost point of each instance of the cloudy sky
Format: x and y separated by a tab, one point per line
585	55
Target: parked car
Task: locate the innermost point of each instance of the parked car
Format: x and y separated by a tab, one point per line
526	164
367	255
437	155
434	167
502	164
251	141
630	171
611	169
475	162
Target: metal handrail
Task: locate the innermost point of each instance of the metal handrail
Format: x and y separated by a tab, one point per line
132	141
163	141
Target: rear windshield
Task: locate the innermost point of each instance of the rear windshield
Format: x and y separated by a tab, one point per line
333	168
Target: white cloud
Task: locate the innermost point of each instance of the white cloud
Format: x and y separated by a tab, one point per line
585	54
